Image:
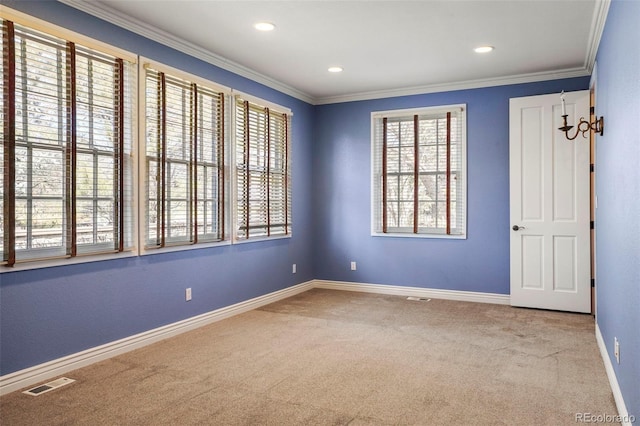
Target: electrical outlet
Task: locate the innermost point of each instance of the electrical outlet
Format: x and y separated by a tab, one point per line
187	294
294	269
353	265
616	349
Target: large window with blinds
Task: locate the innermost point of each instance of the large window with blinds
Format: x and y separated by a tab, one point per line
185	133
419	172
67	174
262	170
68	110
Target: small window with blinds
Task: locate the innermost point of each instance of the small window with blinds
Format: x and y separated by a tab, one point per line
185	145
67	175
419	172
263	172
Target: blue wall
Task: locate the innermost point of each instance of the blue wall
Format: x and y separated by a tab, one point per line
341	182
618	190
51	312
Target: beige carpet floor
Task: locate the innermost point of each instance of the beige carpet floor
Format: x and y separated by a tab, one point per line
340	358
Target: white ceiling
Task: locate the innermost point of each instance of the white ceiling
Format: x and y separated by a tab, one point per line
386	48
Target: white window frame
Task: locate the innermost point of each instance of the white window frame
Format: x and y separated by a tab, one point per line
234	179
376	173
135	127
174	72
130	249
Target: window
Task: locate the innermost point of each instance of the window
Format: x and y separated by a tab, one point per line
68	112
67	138
185	138
418	176
263	174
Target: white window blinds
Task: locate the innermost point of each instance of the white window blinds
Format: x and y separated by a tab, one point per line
67	174
419	172
263	172
185	182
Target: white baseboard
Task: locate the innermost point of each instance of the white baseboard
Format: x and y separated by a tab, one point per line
613	380
463	296
36	374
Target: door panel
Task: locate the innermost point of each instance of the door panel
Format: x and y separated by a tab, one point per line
549	190
532	182
533	268
565	263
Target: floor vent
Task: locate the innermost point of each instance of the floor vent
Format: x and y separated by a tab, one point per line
418	299
39	390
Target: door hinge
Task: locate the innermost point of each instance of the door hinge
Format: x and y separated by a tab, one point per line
592	110
591	168
593	282
593	225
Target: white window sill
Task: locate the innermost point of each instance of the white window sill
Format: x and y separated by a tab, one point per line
259	239
50	263
411	235
183	247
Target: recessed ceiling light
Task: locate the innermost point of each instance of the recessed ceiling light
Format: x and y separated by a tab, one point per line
264	26
483	49
335	69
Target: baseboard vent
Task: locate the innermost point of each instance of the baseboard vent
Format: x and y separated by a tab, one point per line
418	299
39	390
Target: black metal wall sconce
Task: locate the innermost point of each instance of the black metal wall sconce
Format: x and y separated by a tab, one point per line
583	126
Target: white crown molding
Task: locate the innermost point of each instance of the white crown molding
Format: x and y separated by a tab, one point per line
117	18
597	28
462	85
141	28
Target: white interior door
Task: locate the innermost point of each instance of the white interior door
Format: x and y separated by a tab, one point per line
549	204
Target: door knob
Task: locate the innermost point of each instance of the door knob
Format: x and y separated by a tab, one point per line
517	228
